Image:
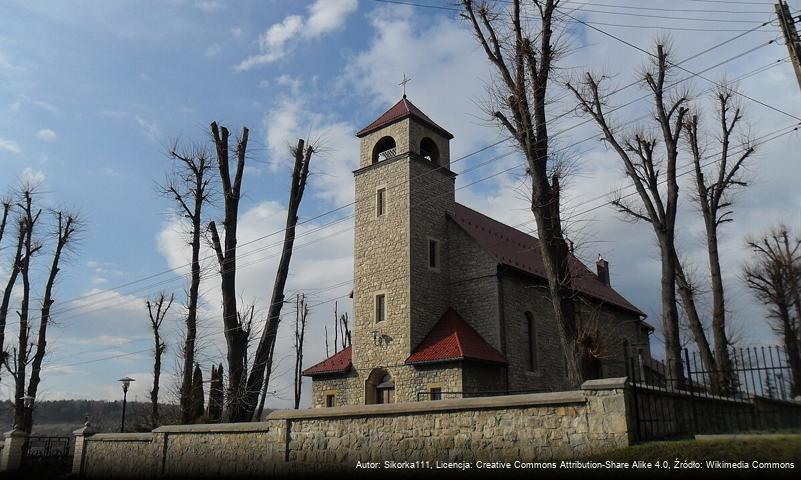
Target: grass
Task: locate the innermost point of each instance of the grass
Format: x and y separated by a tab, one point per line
763	448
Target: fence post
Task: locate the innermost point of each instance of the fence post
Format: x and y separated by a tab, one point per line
13	450
633	384
79	450
693	425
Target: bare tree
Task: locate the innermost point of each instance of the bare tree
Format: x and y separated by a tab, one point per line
16	265
259	377
67	226
344	327
7	203
327	350
301	312
188	184
644	166
22	353
236	338
156	311
773	277
524	60
714	188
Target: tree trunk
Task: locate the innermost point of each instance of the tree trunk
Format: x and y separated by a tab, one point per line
687	295
64	235
154	393
670	314
235	337
724	366
12	281
259	374
191	317
21	412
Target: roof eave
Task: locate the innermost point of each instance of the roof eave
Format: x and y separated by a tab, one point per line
370	129
455	359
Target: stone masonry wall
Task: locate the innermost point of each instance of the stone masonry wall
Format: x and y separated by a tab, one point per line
381	265
410	383
473	287
432	196
521	427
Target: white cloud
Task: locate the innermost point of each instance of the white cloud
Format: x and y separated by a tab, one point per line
331	176
325	16
47	135
33	177
10	146
149	127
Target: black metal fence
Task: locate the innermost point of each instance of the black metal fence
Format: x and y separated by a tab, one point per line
46	455
755	394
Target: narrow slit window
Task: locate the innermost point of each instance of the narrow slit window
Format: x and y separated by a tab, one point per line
436	393
433	254
330	400
531	336
380	202
380	308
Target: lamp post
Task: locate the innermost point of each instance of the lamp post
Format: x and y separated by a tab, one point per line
126	382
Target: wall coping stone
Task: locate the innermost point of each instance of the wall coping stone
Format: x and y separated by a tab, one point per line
217	427
411	408
16	433
122	437
605	384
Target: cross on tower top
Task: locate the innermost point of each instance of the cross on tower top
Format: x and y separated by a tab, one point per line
403	83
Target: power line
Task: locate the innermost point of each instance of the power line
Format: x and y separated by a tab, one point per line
322	227
342	207
480	150
625	42
769	137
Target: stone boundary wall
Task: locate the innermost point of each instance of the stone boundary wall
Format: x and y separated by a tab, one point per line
603	415
519	427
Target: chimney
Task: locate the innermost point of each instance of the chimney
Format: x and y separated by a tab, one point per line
602	267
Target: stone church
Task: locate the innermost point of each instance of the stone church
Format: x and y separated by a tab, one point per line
447	302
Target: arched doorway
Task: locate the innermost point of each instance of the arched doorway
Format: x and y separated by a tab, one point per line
379	387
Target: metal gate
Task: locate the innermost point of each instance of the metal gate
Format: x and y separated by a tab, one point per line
47	455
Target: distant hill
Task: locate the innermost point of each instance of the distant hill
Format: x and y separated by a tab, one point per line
61	417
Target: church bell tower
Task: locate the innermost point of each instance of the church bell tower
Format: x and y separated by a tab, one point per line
404	192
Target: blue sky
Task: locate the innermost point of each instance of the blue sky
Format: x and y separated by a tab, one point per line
92	95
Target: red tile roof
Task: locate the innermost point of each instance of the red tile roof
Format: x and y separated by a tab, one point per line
340	362
403	109
452	338
516	249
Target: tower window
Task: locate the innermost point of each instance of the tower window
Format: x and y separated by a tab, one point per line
531	337
330	400
380	201
433	254
384	149
380	307
429	150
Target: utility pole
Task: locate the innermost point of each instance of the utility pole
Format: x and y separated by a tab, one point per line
790	36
